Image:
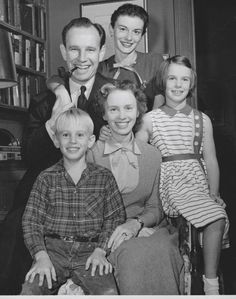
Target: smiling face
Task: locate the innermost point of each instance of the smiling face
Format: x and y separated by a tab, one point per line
121	112
82	50
74	140
127	34
178	83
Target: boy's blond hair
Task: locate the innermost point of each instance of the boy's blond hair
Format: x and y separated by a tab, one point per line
75	115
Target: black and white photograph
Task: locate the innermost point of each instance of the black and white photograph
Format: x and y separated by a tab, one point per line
117	148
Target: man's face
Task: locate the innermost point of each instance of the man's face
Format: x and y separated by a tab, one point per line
82	51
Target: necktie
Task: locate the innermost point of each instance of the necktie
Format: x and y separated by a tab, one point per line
82	100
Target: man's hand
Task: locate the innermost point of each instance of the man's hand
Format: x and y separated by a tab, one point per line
105	133
63	103
98	259
123	232
63	99
43	267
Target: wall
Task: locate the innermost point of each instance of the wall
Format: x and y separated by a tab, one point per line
60	13
216	68
161	26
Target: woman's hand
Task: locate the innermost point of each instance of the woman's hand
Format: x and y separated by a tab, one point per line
146	232
105	133
122	233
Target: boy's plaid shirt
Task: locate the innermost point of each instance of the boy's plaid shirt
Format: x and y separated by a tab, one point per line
56	205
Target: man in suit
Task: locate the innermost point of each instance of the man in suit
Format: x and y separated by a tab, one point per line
83	48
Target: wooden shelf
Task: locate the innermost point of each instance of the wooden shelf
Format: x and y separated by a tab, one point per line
14	29
13	108
27	70
13	113
12	165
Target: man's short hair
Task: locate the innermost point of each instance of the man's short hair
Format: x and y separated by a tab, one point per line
131	10
84	22
75	115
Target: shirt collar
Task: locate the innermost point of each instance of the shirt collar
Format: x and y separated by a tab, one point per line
112	146
171	111
59	167
75	87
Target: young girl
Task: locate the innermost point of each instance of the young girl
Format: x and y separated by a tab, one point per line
189	183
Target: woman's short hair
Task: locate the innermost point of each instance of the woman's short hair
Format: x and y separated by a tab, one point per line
133	11
102	94
163	71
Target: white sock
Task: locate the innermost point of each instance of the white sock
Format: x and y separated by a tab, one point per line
211	285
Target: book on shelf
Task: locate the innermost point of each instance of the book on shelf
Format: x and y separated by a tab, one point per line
10	152
10	11
21	83
33	54
3	10
43	22
17	16
17	41
20	95
27	16
15	96
10	148
37	59
3	96
27	91
40	60
37	17
27	52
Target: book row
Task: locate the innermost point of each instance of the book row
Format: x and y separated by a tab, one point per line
26	15
10	153
20	95
29	53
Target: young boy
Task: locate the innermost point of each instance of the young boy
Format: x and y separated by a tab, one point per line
72	210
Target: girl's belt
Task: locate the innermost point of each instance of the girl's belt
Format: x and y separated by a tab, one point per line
182	157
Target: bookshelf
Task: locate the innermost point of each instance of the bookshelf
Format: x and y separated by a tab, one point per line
26	22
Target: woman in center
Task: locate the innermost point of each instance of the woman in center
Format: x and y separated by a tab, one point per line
144	251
